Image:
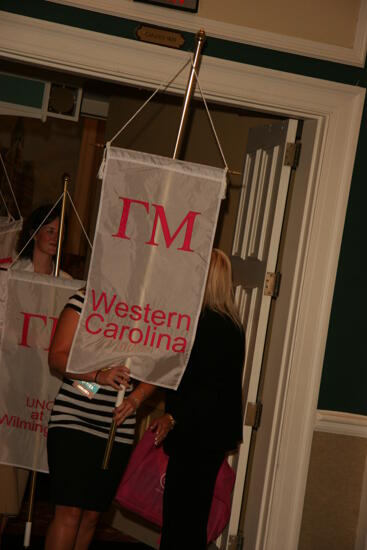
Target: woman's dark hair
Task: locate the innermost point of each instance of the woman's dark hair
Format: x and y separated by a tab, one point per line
33	223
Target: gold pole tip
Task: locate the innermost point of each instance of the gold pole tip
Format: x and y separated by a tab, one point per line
200	34
66	178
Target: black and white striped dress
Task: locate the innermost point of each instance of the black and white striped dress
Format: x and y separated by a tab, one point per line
74	410
76	444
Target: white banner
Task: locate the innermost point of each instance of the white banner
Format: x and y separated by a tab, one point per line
151	253
9	231
27	389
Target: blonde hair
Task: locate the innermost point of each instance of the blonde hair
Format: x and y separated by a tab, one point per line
219	289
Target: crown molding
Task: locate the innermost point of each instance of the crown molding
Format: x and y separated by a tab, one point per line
341	423
91	53
80	51
191	22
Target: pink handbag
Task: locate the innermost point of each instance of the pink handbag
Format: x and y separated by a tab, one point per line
142	485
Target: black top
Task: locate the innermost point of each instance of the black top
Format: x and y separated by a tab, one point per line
207	405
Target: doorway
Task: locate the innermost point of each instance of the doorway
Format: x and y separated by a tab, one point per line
233	126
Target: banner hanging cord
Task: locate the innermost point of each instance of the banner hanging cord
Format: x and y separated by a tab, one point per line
35	232
162	86
45	218
79	220
6	207
212	123
11	189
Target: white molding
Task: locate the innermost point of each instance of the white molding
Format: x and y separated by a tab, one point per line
89	53
341	423
337	110
10	109
191	22
304	354
121	60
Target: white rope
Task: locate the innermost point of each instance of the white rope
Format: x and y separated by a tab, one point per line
162	86
11	189
80	221
35	232
211	122
6	206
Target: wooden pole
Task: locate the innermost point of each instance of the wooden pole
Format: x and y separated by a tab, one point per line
200	37
66	180
189	91
28	525
112	432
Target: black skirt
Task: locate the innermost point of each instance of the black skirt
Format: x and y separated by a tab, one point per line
76	476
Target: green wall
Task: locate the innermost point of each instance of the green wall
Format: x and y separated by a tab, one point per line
21	91
344	377
344	380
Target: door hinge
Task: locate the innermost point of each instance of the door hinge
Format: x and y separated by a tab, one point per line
253	414
292	154
272	284
235	542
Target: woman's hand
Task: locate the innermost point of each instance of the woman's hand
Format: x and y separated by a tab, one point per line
127	408
133	401
162	426
115	377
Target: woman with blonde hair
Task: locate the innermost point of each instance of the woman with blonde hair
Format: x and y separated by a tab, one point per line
203	419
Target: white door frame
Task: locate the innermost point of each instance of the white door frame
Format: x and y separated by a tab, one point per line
337	109
265	489
267	181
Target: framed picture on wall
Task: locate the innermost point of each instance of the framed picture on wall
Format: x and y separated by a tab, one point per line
186	5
